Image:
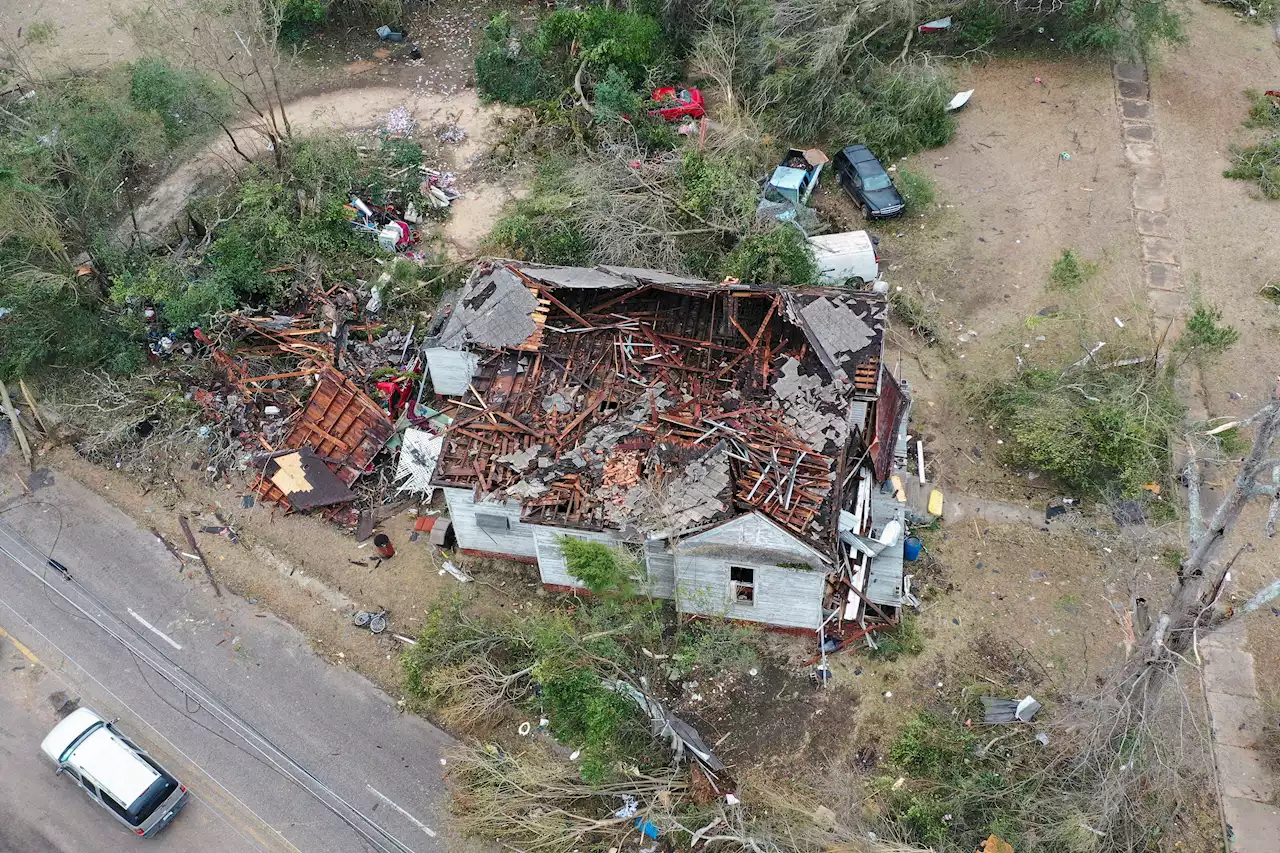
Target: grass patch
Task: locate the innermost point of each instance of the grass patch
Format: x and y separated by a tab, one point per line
1268	744
917	190
959	793
40	33
1070	271
909	309
903	639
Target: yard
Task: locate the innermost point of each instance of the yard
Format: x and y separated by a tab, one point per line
1035	173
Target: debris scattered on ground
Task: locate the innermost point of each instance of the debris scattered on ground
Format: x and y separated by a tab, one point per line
997	710
400	122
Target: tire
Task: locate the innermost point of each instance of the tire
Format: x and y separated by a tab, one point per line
377	624
866	212
361	619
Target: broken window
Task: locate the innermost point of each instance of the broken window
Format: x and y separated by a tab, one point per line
495	523
742	584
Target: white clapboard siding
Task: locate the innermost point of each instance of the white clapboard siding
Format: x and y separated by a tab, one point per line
661	565
517	541
551	558
787	597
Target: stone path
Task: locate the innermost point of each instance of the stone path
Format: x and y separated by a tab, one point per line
1247	789
1246	785
1152	216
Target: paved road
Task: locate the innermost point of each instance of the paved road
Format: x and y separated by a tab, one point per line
282	751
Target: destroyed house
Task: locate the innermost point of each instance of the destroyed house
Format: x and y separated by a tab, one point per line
732	437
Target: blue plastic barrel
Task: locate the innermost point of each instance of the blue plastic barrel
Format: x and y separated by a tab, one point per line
911	548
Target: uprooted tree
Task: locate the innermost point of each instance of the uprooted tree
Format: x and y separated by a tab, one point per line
1195	603
236	43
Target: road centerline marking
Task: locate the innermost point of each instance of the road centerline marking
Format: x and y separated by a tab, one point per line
153	629
428	830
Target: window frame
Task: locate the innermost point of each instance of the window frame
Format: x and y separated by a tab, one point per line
736	585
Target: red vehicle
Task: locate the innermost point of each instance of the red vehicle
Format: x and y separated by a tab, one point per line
674	105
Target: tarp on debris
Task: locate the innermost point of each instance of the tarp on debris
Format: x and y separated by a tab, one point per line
418	457
305	481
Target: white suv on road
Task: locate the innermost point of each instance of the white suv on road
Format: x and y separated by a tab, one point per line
114	772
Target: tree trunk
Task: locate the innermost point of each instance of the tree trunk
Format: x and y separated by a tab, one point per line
1199	579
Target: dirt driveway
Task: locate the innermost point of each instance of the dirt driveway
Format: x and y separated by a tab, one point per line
1009	202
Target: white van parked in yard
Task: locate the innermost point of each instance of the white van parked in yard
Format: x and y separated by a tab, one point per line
114	772
841	257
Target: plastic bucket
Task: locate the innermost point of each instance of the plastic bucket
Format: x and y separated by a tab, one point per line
383	543
911	548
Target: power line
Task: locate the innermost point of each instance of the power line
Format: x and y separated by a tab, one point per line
191	687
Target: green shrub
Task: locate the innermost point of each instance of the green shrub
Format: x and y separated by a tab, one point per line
298	17
1070	271
583	713
52	322
507	65
616	97
618	104
1205	336
717	187
186	102
528	238
602	569
899	112
1098	432
524	68
603	38
777	256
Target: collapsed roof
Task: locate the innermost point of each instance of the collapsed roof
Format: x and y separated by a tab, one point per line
650	403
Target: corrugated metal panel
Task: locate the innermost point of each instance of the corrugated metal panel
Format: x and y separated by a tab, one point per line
451	370
517	541
884	581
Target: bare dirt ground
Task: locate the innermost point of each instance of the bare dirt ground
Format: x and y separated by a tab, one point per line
1230	248
1009	204
352	111
85	37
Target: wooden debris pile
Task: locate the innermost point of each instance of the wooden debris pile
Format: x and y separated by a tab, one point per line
595	393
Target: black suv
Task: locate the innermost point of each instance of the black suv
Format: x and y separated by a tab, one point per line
867	183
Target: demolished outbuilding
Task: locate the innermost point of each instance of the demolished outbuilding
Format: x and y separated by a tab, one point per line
737	438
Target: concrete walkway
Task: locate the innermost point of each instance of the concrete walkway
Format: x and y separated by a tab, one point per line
1247	786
